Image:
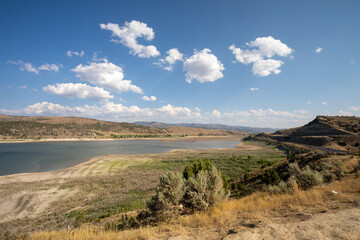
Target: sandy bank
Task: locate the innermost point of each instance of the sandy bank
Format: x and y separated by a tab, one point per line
162	139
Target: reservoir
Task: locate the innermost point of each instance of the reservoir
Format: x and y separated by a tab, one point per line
49	156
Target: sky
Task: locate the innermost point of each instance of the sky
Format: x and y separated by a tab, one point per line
245	63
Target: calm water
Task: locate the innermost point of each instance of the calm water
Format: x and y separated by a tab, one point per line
48	156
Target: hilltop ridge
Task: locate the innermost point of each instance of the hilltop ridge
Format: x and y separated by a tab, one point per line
335	132
36	127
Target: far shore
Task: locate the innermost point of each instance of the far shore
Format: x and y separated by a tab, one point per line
64	172
162	139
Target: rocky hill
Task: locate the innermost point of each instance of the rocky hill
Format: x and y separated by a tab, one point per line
34	127
342	133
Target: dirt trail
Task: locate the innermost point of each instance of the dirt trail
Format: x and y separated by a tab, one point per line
340	224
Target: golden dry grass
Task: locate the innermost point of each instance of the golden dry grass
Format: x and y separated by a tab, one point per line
258	206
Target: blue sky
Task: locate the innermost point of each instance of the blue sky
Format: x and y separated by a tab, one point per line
249	63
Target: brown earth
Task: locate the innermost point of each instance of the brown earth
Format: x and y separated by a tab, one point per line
37	128
341	133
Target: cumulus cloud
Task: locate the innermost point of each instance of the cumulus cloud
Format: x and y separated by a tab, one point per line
23	87
106	75
266	67
50	67
324	103
109	110
270	117
151	98
216	113
345	113
354	108
26	66
308	102
78	90
128	34
319	50
260	51
203	66
74	53
254	89
173	55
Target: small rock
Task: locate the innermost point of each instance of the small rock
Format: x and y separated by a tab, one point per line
231	231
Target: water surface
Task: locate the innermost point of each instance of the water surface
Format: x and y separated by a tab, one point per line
49	156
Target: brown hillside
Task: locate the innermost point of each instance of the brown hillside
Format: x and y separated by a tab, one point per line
336	132
22	127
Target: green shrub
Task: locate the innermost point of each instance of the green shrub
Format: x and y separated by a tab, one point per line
305	178
205	190
168	198
271	177
200	186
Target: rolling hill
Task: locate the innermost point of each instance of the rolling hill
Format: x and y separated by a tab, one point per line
34	127
342	133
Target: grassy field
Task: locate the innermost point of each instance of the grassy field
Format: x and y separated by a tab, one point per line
300	215
116	183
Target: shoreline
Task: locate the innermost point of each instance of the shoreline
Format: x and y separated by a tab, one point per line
162	139
94	159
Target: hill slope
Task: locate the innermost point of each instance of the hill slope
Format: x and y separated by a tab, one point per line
335	132
15	127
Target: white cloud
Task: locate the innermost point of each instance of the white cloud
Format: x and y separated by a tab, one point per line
173	55
29	67
96	58
344	113
151	99
50	67
259	52
26	66
319	50
302	111
47	109
74	53
128	34
203	67
266	67
308	102
113	111
254	89
78	90
109	110
269	117
174	111
354	108
324	103
216	113
106	75
352	61
23	87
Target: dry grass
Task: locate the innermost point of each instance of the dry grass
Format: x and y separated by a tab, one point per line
256	207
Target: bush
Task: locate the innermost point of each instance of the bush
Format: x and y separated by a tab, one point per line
283	187
200	186
271	177
205	190
168	198
307	177
238	189
192	169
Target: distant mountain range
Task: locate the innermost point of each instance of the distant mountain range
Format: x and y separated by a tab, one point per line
208	126
41	127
